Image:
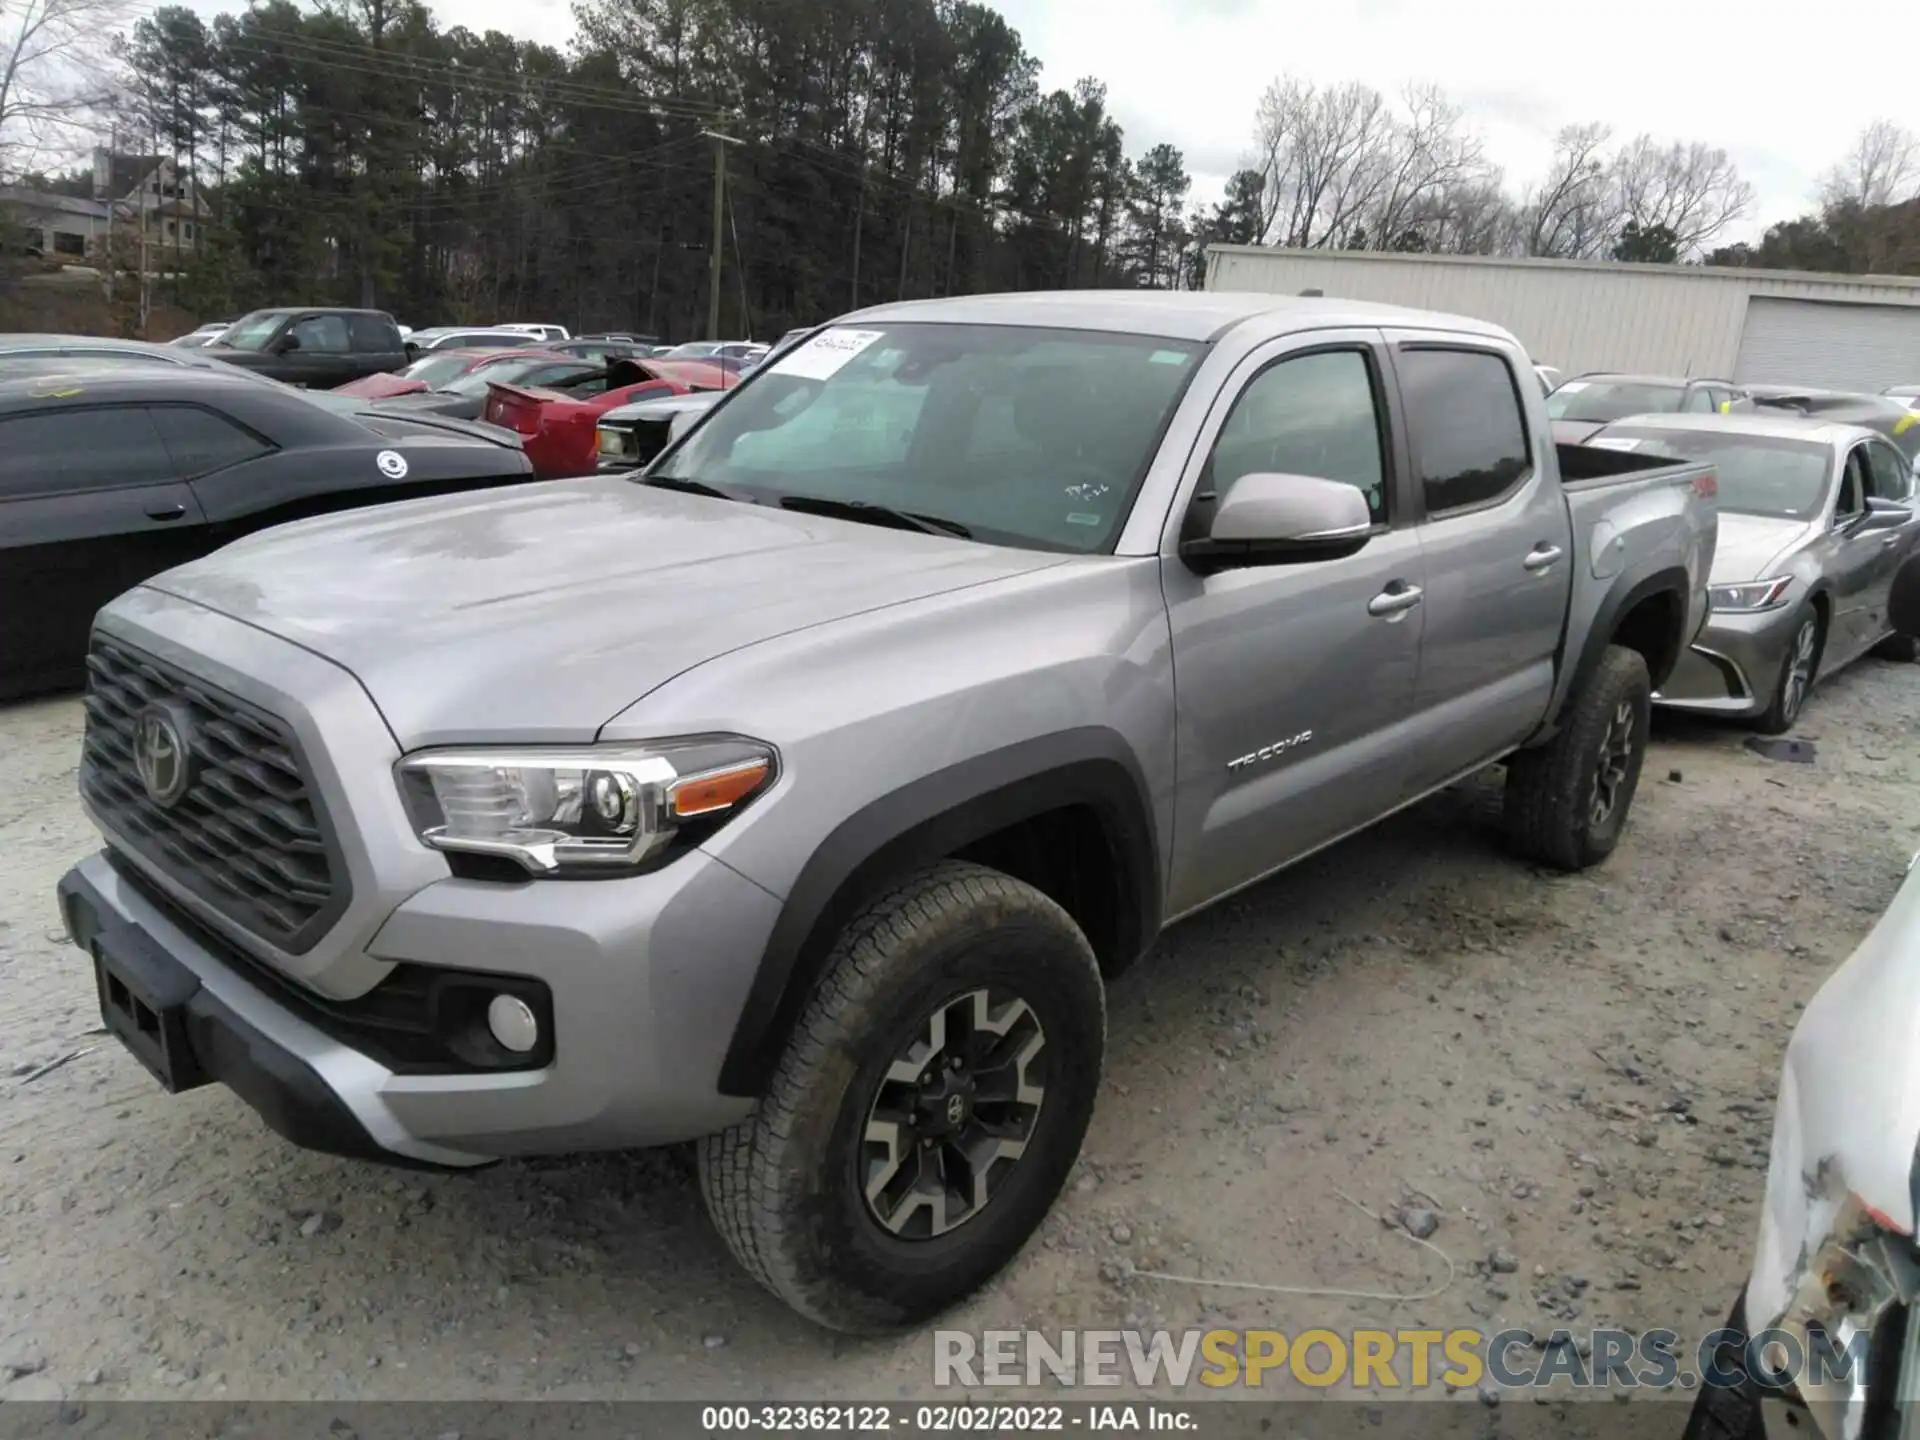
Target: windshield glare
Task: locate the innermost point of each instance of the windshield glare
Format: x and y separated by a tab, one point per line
251	332
1603	400
1029	437
435	369
1759	475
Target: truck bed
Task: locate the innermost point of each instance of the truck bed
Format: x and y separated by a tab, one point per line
1634	513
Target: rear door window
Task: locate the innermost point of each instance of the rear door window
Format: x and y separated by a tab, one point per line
1465	425
373	335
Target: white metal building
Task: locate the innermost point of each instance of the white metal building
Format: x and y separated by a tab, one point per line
1848	332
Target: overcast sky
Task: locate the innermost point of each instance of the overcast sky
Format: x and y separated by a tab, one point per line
1190	72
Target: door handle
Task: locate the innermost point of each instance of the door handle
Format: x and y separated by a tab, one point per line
166	512
1542	556
1392	603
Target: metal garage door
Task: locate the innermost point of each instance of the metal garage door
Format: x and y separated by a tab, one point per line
1839	347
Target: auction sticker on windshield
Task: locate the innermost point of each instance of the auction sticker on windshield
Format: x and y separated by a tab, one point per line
822	356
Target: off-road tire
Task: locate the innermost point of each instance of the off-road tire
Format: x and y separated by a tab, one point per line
1549	796
783	1185
1902	649
1778	718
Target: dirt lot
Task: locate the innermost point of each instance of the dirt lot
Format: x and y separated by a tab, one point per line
1575	1074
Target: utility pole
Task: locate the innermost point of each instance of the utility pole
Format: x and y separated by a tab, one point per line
720	143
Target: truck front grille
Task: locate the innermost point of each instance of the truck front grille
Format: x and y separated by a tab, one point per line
247	836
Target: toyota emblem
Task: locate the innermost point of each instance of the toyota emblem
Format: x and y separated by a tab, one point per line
161	756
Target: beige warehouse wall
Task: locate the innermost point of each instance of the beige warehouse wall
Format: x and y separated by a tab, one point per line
1576	315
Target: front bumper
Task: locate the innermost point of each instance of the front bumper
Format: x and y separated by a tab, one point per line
645	976
1733	666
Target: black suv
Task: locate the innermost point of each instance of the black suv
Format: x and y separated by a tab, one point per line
316	348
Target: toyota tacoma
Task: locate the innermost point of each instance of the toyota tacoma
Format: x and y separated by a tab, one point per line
800	794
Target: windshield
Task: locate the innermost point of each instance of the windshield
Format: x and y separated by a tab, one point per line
1027	437
1603	400
1759	474
251	332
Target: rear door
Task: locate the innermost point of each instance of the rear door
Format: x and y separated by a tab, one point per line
90	506
1496	540
377	346
1293	678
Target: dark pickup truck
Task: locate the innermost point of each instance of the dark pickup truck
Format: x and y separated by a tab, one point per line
315	348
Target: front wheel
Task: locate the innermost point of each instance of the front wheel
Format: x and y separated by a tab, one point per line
1795	680
1567	801
928	1109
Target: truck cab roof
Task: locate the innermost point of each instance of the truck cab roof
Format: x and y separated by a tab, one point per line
1190	315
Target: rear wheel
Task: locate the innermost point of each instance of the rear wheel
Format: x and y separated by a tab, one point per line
1567	801
928	1109
1795	680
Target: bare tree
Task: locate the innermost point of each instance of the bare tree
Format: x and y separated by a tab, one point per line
1883	168
54	57
1473	217
1693	191
1320	154
1429	157
1572	213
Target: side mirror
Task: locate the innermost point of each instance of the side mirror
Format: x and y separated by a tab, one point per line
1903	600
1884	515
1271	519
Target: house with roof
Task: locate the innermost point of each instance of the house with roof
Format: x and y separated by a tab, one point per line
145	199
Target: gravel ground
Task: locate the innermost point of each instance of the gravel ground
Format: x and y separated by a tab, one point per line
1575	1075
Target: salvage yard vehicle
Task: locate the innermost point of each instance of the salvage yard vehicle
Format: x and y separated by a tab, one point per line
557	424
1815	519
1887	414
431	371
464	395
801	795
1580	406
630	436
110	475
1835	1263
317	348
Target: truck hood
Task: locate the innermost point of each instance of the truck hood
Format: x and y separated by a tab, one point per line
1750	545
537	614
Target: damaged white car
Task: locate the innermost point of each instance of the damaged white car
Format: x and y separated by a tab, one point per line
1825	1340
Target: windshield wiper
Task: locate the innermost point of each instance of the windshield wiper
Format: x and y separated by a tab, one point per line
687	485
871	514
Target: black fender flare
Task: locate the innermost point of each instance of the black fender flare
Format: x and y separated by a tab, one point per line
1670	581
923	822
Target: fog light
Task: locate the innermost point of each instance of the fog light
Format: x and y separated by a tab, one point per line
513	1024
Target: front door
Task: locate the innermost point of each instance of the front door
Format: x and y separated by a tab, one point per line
1853	565
1292	677
89	507
1889	477
1498	546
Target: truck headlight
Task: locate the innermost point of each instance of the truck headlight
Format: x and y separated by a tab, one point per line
1752	595
580	811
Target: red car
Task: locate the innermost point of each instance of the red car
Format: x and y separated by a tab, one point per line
430	372
560	431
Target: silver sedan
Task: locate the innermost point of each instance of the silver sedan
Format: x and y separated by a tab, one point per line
1815	518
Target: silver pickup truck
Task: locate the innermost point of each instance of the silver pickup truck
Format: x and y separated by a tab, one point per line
801	794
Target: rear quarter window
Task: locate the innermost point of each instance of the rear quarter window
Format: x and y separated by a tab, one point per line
1466	427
